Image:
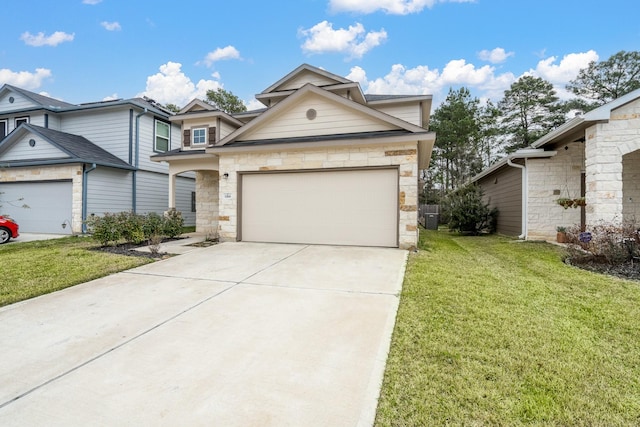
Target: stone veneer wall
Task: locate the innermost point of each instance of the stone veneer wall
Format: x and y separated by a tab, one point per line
207	202
558	174
606	144
50	173
403	155
631	186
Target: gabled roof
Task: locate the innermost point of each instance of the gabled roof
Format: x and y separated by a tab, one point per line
52	104
312	89
577	124
44	101
200	109
524	153
306	68
196	105
78	148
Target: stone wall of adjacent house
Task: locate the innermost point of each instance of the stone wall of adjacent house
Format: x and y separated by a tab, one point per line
607	144
403	155
548	180
207	202
51	173
631	187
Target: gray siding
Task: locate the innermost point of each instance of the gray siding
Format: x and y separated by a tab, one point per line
184	188
21	150
19	102
503	190
108	129
152	192
147	143
109	190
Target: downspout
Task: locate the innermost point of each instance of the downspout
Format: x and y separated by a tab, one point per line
524	196
85	173
134	195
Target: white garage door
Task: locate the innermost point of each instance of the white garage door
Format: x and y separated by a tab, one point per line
354	207
49	205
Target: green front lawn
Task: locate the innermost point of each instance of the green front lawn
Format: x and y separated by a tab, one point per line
496	332
35	268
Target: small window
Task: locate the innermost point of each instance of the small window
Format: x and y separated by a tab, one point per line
193	201
3	128
163	138
199	136
21	120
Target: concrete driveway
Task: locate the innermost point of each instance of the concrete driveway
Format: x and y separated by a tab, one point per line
237	334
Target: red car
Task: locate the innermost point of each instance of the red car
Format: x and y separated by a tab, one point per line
8	229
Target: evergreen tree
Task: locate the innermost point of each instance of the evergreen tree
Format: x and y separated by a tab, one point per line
529	110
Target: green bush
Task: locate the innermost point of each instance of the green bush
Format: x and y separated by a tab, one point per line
467	212
105	228
153	225
131	227
134	228
173	223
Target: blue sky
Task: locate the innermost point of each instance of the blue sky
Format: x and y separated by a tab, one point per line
173	51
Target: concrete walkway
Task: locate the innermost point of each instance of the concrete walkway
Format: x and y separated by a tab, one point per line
237	334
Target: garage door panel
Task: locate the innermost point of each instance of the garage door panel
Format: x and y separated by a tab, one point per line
355	207
49	205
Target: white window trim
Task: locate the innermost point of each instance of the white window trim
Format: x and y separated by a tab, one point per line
155	136
206	136
6	127
17	119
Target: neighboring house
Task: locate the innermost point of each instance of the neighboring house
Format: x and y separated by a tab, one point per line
595	156
70	161
322	164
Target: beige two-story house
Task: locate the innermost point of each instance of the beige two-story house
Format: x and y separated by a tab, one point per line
322	163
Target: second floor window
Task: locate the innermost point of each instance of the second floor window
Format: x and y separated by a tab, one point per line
163	138
21	120
199	136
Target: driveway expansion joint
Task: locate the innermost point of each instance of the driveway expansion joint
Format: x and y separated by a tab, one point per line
117	347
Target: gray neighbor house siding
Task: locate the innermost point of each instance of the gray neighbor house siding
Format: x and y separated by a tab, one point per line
503	190
98	153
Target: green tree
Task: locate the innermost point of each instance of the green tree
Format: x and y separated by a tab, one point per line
489	142
467	212
605	81
457	128
225	101
529	110
172	107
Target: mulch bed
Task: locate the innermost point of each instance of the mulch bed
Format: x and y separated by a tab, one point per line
129	249
629	270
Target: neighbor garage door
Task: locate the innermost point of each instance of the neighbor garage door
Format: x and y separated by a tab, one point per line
49	205
353	207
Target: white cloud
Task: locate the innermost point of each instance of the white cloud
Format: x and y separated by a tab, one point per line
354	41
566	70
495	56
171	85
253	104
41	40
111	97
91	2
485	82
24	79
221	54
392	7
111	26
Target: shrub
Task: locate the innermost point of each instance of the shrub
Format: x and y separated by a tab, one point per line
173	223
468	213
133	228
605	243
105	228
153	225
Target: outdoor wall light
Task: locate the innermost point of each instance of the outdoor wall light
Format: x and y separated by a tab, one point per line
225	175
